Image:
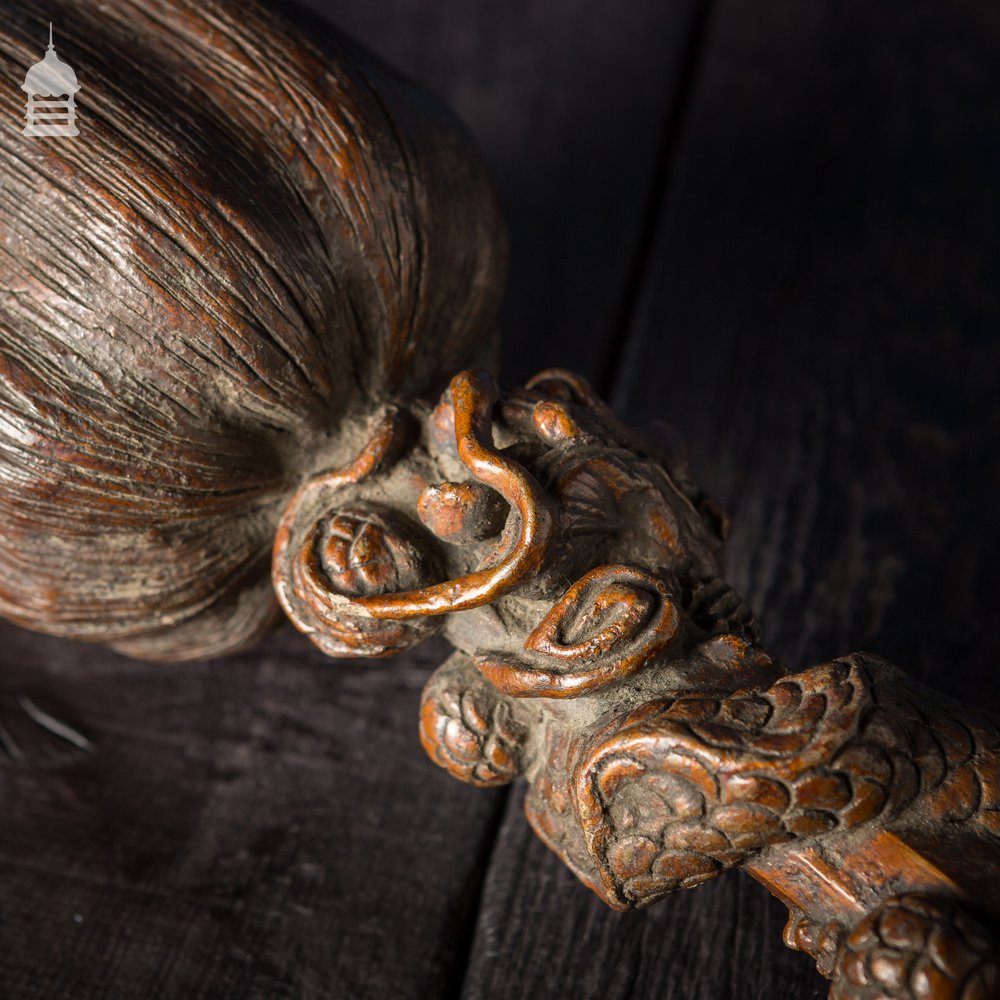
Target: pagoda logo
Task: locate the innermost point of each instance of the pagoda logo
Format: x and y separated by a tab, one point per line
51	86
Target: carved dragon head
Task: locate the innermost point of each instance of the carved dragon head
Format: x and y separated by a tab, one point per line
563	555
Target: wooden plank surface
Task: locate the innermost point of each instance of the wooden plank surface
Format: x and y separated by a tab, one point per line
261	826
820	318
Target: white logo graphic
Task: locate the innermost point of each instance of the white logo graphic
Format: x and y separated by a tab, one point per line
48	79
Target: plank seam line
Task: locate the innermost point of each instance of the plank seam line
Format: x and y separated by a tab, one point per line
665	162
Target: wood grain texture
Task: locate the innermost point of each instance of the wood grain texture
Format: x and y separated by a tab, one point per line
248	242
569	101
837	297
265	826
819	318
537	931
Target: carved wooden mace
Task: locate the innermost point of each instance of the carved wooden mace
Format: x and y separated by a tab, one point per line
316	291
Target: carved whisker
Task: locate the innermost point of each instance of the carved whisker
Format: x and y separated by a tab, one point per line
473	396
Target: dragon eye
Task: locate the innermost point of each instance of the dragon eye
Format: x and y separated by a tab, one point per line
346	555
607	625
362	553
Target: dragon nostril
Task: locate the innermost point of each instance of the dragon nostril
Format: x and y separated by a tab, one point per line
469	403
462	512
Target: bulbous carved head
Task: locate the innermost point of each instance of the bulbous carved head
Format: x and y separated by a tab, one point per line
205	296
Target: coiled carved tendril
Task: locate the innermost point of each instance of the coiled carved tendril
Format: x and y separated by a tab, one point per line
351	553
324	563
356	580
473	395
607	625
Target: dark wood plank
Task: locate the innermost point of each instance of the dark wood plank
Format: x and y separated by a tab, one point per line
819	317
260	826
540	933
568	100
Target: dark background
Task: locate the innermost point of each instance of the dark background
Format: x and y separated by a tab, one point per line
774	224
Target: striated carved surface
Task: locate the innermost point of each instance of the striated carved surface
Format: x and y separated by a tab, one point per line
601	656
199	312
217	393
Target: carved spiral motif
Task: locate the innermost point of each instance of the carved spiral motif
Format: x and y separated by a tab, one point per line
330	554
352	553
607	625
